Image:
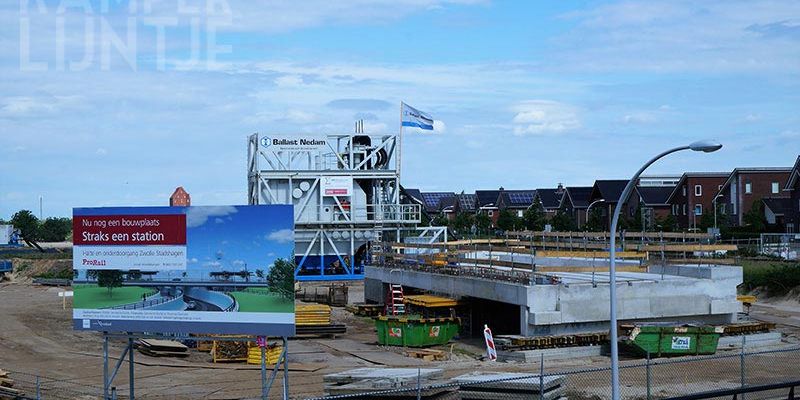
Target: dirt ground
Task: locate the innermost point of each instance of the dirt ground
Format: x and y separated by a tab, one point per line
36	338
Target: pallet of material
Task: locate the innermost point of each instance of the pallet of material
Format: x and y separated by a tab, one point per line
7	387
365	310
747	328
308	330
229	351
312	314
509	386
162	348
365	391
273	353
427	354
430	301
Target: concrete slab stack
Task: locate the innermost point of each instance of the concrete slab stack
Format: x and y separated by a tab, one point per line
509	386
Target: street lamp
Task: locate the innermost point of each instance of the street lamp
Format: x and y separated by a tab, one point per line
715	211
705	146
589	208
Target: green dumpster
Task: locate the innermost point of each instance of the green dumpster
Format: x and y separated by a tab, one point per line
671	340
413	331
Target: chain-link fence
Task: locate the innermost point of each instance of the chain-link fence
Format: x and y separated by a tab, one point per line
640	379
645	379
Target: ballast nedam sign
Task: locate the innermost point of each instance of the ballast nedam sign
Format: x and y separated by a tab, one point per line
293	143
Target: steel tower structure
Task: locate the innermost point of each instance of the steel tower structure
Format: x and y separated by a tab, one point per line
346	195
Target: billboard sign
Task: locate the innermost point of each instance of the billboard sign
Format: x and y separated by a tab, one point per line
207	269
337	186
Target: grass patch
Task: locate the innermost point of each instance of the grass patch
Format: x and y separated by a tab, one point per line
778	278
62	274
92	296
262	301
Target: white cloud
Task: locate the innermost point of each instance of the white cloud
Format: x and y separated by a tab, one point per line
539	117
212	264
238	263
196	216
299	116
101	151
639	118
752	117
281	236
192	260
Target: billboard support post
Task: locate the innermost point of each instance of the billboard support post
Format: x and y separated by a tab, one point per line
282	359
108	380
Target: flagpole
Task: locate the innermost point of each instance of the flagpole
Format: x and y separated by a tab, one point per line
400	148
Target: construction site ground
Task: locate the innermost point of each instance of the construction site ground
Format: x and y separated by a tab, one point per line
36	337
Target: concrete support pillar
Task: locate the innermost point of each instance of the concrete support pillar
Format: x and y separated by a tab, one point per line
523	320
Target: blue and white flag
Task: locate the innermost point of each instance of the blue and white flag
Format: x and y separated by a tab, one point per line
410	116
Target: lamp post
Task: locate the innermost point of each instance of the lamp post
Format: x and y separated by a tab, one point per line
704	146
589	208
715	211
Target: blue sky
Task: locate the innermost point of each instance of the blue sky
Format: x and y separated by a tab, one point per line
94	111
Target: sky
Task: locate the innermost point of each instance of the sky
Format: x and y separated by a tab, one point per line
117	102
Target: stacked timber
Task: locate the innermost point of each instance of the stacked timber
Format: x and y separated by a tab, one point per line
516	342
315	320
509	386
7	390
312	314
273	354
427	354
365	310
162	348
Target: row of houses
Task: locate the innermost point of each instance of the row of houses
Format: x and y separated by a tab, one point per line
684	199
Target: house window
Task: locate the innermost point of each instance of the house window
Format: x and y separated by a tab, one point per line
733	208
775	187
491	213
519	213
684	208
698	209
748	188
684	190
722	208
698	190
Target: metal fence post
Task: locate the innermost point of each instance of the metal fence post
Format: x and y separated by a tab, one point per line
419	384
541	377
649	382
114	393
263	373
38	389
741	362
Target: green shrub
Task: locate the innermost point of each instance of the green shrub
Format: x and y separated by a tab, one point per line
777	279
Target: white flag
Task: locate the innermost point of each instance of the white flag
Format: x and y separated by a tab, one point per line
415	118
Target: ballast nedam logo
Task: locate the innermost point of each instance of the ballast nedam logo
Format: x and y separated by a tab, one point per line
267	142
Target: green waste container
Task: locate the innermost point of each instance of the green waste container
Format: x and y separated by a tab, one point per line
661	340
414	331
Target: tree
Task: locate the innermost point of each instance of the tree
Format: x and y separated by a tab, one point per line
667	224
260	274
563	222
483	223
109	279
533	217
55	229
507	221
754	219
462	222
281	278
27	223
595	222
440	220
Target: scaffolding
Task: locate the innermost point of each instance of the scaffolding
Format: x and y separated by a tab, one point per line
345	189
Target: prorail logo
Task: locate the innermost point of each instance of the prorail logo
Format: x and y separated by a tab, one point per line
267	141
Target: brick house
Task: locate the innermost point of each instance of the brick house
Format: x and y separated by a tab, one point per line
575	202
516	201
550	199
486	202
606	194
745	186
792	188
652	201
694	195
180	198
